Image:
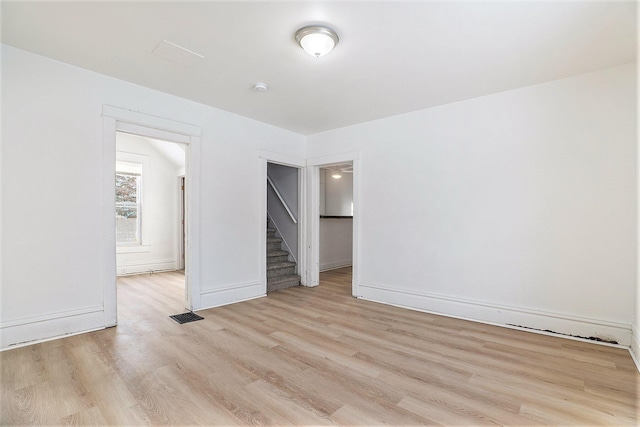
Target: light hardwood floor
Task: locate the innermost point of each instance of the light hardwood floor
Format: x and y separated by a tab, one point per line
310	356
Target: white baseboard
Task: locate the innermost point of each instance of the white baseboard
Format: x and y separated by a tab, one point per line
231	294
30	330
148	267
498	314
335	265
634	349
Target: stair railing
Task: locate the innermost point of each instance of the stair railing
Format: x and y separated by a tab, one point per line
293	218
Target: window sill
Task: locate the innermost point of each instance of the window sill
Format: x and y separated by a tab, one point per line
132	249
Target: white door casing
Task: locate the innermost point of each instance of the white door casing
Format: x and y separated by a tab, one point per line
114	120
294	162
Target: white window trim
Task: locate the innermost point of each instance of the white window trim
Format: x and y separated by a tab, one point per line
135	163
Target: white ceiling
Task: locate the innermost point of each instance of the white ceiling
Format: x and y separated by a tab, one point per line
393	57
173	152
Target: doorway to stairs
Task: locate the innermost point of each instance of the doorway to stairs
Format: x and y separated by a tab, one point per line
283	231
308	173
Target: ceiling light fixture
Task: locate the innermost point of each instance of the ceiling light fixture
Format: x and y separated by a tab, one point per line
336	175
316	40
260	87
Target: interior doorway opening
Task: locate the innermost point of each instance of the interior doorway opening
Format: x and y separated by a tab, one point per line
336	217
345	207
283	227
150	208
116	120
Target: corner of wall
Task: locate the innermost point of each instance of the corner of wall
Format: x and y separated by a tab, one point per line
634	349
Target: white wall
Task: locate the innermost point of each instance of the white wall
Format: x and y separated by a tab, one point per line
51	195
336	243
635	339
159	248
517	207
336	195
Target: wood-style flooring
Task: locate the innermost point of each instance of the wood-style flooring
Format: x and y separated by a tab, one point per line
310	356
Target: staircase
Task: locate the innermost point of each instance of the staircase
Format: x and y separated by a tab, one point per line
281	273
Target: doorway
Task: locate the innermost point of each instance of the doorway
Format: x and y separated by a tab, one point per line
134	123
292	168
149	206
349	212
336	217
283	232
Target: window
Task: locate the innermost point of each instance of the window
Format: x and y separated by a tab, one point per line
128	203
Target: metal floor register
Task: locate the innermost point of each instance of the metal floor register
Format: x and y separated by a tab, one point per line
186	317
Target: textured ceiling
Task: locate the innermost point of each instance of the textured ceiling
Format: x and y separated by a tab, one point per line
393	57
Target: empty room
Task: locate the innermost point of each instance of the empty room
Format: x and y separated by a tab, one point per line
319	213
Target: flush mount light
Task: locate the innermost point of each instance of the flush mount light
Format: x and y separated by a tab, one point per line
316	40
336	175
260	87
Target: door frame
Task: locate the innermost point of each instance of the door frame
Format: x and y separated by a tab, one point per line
294	162
313	220
182	220
115	120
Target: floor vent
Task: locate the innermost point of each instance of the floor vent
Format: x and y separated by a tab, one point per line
186	317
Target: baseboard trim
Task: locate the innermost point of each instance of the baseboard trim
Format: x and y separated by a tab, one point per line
335	265
231	294
500	315
31	330
147	267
